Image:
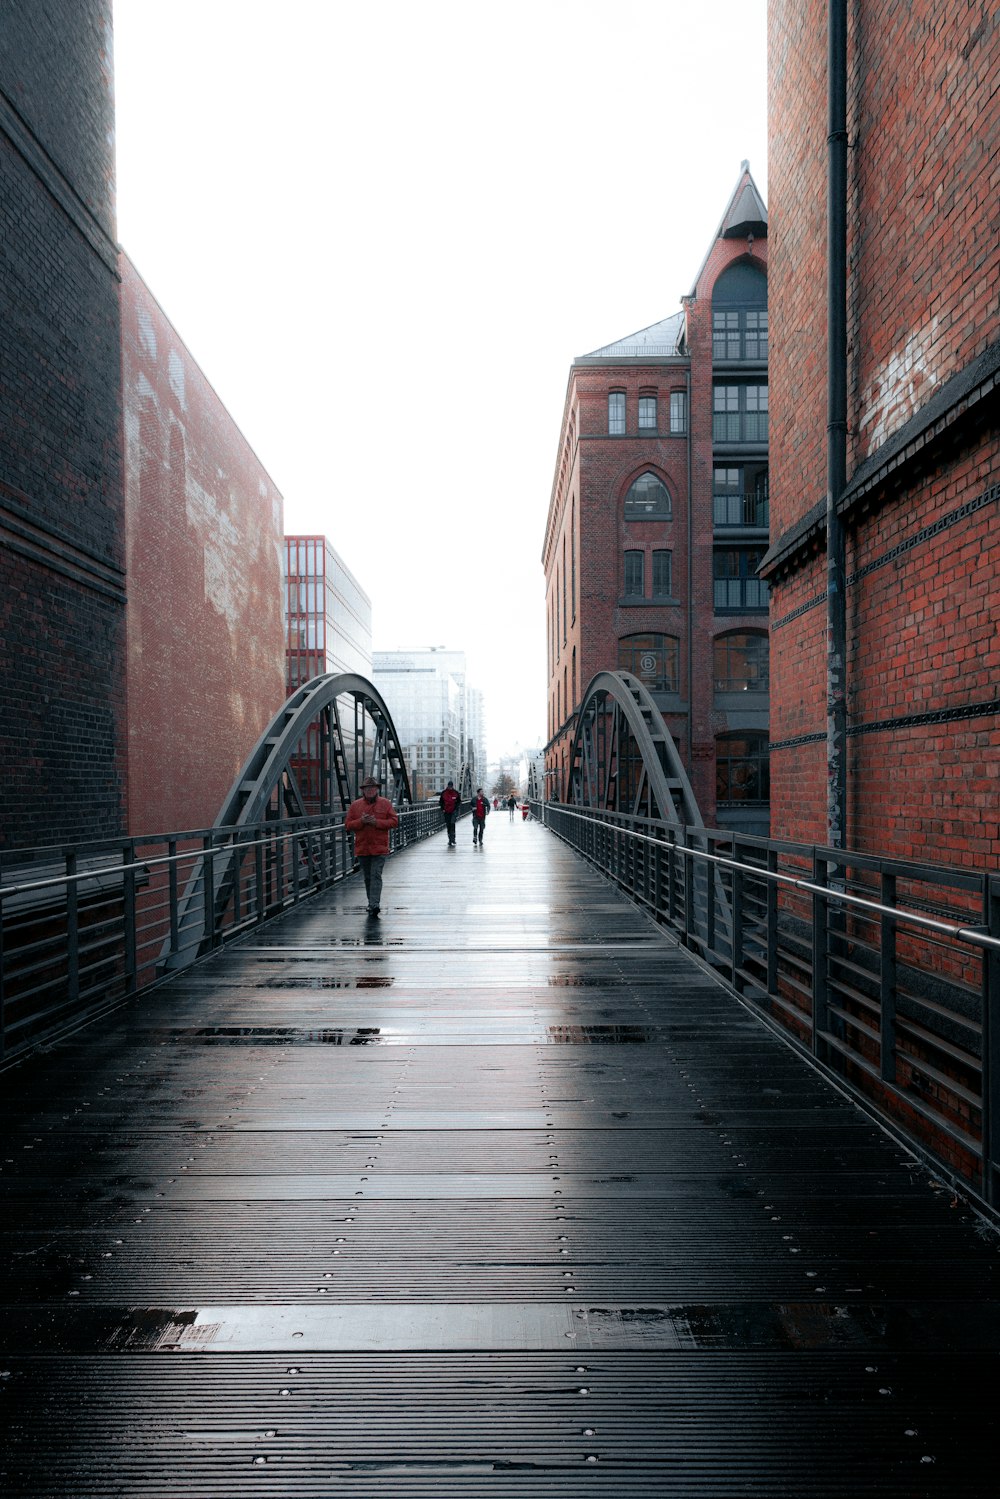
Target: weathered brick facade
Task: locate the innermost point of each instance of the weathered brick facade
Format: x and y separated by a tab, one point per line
206	634
593	616
923	486
62	546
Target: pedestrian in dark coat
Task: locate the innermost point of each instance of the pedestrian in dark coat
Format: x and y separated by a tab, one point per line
480	812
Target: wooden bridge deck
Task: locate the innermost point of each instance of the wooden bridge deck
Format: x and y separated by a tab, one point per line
501	1195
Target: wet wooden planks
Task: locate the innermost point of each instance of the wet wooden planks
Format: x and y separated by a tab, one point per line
501	1194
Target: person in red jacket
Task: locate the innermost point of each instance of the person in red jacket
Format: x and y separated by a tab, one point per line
449	801
480	812
369	819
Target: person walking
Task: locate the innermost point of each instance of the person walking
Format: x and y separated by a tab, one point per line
480	812
370	819
449	802
512	805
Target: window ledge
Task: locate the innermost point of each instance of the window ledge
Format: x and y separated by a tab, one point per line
658	601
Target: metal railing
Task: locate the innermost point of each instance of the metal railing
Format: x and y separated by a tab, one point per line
887	972
85	928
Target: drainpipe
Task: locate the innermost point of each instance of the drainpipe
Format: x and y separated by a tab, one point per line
836	611
690	584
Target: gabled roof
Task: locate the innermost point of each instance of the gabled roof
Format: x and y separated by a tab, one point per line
658	341
746	213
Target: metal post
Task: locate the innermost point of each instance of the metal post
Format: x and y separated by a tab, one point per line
772	923
887	983
991	1049
129	914
737	922
209	884
821	950
175	931
258	868
72	930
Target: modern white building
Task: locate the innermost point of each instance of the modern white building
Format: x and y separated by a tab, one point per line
435	712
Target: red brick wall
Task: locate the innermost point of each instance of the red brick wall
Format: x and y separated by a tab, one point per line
924	273
206	644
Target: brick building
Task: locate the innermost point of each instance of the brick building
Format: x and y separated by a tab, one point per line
62	548
658	519
919	509
206	634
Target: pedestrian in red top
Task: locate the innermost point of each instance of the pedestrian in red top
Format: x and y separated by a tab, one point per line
480	812
370	819
449	801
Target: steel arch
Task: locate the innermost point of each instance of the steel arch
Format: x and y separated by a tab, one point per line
268	775
267	787
624	758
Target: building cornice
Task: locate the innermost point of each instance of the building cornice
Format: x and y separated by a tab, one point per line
951	406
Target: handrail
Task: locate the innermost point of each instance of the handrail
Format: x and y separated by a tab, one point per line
81	941
974	935
900	1005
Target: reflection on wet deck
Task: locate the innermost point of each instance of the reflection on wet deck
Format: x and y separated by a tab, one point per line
500	1195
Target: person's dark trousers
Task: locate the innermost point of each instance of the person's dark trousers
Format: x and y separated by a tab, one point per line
449	823
371	868
477	829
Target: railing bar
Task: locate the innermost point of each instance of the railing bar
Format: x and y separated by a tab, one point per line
971	935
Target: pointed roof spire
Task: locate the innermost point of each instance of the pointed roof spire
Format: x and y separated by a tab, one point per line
745	216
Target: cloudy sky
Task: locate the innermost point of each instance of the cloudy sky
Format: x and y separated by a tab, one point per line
384	230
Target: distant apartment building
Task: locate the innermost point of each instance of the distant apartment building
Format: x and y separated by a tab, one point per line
437	715
658	523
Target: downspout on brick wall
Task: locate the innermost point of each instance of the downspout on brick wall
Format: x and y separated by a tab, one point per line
690	590
836	611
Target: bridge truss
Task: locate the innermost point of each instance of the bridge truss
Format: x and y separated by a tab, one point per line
333	732
624	758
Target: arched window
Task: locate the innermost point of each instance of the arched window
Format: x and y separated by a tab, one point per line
742	769
647	499
739	314
740	661
651	658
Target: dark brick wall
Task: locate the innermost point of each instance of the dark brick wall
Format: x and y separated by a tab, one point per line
923	540
62	553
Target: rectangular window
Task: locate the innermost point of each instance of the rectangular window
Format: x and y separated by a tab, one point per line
678	413
736	587
616	413
635	587
740	495
726	335
662	573
739	413
647	413
755	345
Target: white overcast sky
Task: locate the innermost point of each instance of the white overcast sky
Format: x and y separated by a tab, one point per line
384	229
